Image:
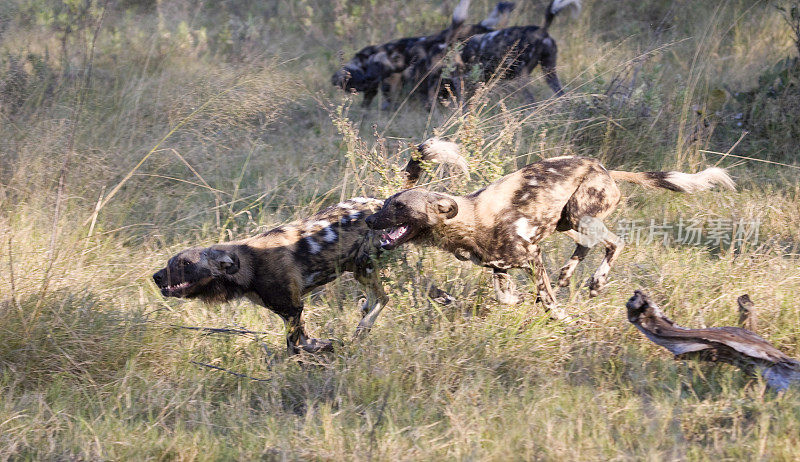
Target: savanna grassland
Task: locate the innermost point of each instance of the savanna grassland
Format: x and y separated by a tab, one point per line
132	129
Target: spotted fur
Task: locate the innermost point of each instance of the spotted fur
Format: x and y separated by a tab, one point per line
500	226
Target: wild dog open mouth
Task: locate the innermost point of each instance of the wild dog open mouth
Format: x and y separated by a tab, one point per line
392	237
176	288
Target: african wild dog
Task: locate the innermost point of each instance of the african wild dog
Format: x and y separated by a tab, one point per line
501	225
274	269
512	52
389	66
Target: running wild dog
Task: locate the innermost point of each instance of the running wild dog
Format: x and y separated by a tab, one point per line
500	226
513	52
276	268
390	65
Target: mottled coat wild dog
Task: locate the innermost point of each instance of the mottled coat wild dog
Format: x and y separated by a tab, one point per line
513	52
501	225
389	66
274	269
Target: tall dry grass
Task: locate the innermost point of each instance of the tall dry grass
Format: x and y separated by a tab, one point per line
202	123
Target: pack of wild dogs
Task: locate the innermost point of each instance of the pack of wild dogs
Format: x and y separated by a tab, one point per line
499	226
487	49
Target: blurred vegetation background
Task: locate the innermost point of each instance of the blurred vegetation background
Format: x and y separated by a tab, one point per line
132	129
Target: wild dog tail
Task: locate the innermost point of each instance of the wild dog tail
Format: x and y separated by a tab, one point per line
499	15
555	7
678	181
460	13
433	150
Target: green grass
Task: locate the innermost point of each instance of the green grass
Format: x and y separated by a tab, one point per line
204	123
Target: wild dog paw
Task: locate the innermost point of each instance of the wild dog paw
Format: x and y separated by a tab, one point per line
559	314
361	332
316	345
543	297
596	285
510	298
440	296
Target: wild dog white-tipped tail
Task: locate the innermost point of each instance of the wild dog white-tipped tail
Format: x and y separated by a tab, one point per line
438	150
559	5
434	150
460	12
678	181
700	181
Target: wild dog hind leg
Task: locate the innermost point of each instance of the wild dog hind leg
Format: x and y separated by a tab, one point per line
390	90
614	247
591	231
585	238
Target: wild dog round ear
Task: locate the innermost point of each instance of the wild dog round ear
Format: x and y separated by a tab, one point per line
447	207
227	261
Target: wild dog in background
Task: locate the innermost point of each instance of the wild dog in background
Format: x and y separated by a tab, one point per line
428	56
376	67
274	269
389	66
513	52
500	226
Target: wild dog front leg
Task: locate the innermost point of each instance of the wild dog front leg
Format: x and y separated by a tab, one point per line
297	340
390	89
373	305
369	95
289	307
504	288
543	287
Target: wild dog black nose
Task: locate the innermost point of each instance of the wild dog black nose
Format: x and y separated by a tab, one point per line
370	220
158	277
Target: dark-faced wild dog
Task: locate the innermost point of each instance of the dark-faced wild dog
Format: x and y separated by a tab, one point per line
512	52
376	67
389	66
500	226
274	269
